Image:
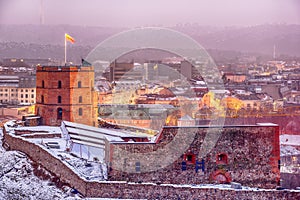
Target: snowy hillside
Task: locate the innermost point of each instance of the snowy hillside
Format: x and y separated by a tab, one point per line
17	180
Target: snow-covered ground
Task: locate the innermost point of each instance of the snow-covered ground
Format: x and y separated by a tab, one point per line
17	180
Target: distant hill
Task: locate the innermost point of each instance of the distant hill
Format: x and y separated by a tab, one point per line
35	41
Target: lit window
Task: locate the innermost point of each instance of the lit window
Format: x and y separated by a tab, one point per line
190	158
222	158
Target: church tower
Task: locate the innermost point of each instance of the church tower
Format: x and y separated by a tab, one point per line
66	93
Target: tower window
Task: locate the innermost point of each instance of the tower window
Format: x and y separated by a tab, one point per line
59	99
43	84
80	99
59	84
79	84
59	113
80	111
42	98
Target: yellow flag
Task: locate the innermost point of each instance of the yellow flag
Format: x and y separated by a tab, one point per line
69	38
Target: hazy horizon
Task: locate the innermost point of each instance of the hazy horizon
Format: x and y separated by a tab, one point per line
136	13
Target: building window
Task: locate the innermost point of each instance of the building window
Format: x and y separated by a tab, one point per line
79	84
80	111
59	113
42	98
80	99
43	83
26	95
222	158
32	90
12	95
32	95
137	166
21	90
59	99
26	90
59	84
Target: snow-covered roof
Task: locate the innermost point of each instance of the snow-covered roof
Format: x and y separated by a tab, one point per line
290	140
48	129
104	131
186	118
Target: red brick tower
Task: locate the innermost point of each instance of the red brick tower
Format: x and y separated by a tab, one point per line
66	93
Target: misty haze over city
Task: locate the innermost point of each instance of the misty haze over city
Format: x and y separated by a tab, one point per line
136	13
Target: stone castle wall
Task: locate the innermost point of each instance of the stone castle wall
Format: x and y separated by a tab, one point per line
252	157
123	189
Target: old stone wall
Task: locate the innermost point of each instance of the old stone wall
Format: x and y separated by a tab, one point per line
290	181
45	159
252	155
119	189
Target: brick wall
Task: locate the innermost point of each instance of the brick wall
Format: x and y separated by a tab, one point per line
70	91
133	190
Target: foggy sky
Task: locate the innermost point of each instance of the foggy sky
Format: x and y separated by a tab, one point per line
133	13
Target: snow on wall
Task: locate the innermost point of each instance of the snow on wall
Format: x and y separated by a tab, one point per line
113	189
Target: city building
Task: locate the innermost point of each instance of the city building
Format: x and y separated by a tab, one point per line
17	90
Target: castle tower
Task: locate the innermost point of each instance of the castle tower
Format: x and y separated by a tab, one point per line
66	93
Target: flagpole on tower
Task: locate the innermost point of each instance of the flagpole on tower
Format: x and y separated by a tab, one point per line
70	39
65	48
